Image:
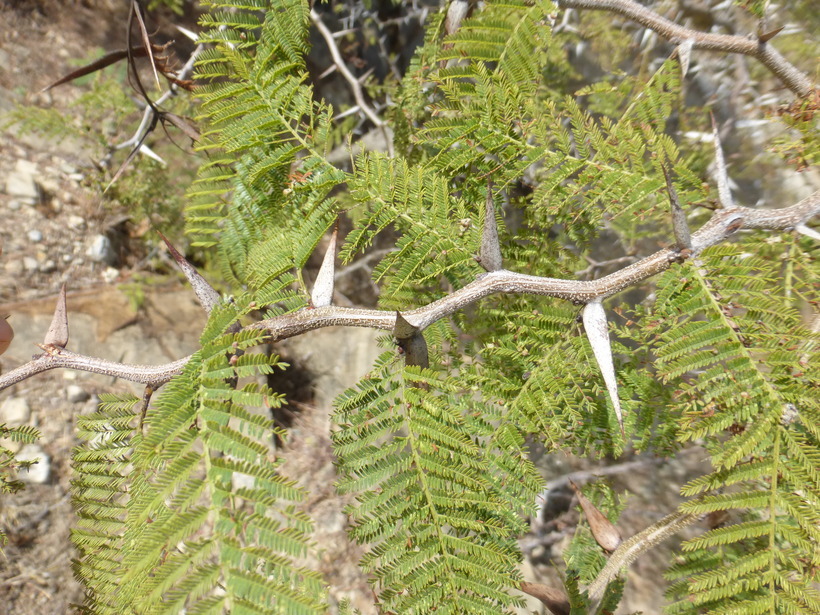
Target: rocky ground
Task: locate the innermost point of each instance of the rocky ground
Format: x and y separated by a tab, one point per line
57	229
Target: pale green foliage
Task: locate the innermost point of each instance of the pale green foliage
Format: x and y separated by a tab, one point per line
187	510
437	457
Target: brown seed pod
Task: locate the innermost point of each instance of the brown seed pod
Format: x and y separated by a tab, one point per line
6	334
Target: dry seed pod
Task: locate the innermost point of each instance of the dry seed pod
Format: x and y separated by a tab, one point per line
6	334
603	531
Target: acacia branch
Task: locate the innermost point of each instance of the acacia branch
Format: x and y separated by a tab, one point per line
722	225
758	48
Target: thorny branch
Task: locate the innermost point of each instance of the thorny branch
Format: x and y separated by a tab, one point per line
722	225
757	48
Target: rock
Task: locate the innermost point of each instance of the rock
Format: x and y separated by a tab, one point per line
76	222
40	472
20	183
14	268
30	264
100	250
15	411
35	236
75	394
49	266
110	275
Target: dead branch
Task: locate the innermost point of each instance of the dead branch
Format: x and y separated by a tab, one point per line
757	48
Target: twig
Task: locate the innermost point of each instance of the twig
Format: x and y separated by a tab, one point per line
633	548
355	86
758	48
721	226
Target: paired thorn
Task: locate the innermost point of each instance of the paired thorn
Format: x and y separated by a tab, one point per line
603	530
322	294
680	226
595	325
684	53
555	600
411	342
722	177
57	334
490	252
765	37
206	294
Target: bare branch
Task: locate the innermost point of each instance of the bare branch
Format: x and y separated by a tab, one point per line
634	547
756	47
154	375
722	225
355	86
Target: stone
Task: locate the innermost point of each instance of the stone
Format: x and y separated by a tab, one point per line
15	411
100	250
110	275
49	266
76	222
40	472
30	264
76	394
14	268
20	183
35	235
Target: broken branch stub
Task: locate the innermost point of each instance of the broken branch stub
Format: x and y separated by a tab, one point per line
595	325
322	294
57	334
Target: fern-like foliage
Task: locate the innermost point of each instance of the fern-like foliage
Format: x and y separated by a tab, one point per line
440	509
732	345
267	177
191	515
181	508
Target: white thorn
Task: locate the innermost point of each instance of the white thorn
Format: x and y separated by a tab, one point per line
322	294
595	325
